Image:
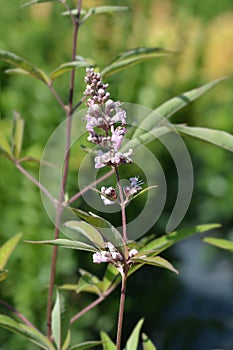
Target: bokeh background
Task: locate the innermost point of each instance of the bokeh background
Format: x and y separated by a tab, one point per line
187	312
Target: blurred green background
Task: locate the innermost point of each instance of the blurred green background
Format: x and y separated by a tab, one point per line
193	310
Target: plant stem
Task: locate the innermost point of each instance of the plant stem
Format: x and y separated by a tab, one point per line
17	313
87	188
121	308
93	304
64	176
123	214
37	183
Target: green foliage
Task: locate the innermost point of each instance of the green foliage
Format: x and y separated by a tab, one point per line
220	243
5	252
32	334
23	66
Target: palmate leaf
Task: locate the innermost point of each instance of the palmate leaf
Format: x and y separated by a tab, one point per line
154	124
67	243
220	243
132	342
216	137
133	56
23	66
32	334
86	230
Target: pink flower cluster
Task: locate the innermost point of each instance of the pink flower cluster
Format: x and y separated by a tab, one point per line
105	122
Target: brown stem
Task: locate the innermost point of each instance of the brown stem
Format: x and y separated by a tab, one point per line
93	304
37	183
64	176
84	190
17	313
123	214
121	308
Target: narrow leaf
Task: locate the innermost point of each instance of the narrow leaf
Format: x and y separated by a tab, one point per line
24	65
86	345
34	2
88	231
5	146
216	137
30	333
132	343
56	320
97	10
3	274
17	134
88	283
168	240
66	243
131	57
154	122
7	249
170	107
66	344
147	343
107	342
67	67
220	243
104	227
155	261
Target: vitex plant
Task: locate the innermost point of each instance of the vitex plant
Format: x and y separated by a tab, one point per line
114	133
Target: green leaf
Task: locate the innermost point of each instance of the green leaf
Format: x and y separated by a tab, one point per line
155	261
32	334
216	137
56	320
170	107
7	249
86	345
96	11
111	277
34	2
88	231
66	344
131	57
106	229
3	274
67	67
107	342
66	243
220	243
89	283
132	343
147	343
5	146
23	66
155	125
17	134
168	240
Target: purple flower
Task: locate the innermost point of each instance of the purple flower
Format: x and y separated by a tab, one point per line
117	137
